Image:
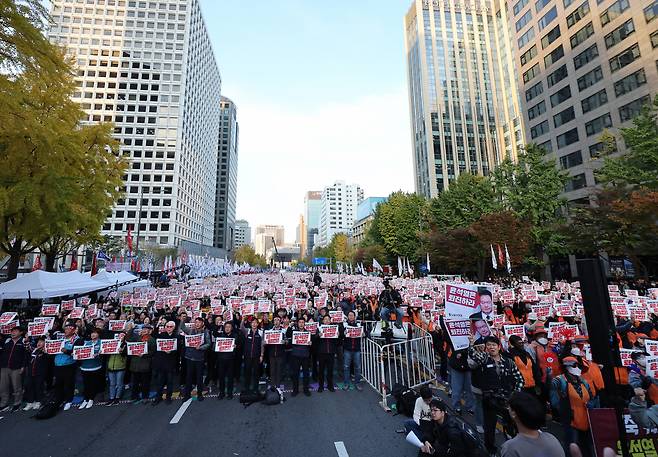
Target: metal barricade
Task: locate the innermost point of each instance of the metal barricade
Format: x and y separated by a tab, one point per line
409	362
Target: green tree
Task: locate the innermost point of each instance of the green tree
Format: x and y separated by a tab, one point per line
465	200
639	166
340	248
398	221
453	251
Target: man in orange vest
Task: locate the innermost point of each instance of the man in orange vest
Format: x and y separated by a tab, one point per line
526	365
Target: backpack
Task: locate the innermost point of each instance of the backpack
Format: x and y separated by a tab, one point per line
247	398
273	396
47	410
473	444
405	399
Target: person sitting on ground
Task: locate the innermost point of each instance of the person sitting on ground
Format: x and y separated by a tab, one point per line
442	436
529	415
421	414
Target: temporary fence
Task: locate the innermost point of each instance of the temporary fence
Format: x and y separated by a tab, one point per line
408	362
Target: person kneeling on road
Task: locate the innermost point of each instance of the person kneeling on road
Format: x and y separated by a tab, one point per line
442	436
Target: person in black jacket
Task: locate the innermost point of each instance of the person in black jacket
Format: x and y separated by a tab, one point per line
224	361
300	357
442	435
326	356
165	363
389	302
254	351
36	376
14	357
276	356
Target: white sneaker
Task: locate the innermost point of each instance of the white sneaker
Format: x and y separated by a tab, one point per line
67	406
83	405
90	403
36	405
28	407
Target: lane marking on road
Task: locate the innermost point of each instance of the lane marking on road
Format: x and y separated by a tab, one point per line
180	412
340	448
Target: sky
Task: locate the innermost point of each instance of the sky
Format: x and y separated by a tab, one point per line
321	93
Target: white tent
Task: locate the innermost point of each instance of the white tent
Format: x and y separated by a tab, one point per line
43	284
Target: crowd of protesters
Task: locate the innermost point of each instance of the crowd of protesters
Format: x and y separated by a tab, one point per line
549	366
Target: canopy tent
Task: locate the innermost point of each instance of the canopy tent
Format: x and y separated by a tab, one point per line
44	284
124	280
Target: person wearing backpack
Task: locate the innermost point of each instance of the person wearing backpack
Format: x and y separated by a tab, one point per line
442	436
570	395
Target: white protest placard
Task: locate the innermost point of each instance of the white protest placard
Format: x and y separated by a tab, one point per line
541	310
638	313
651	346
67	305
166	344
37	328
110	346
7	317
224	345
263	306
50	309
77	313
53	347
555	329
652	367
301	338
50	321
137	348
83	352
337	316
311	327
117	325
563	309
273	337
353	332
461	301
625	355
85	301
328	331
459	332
194	341
518	330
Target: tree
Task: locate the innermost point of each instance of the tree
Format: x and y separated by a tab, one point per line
504	228
639	166
467	198
340	248
455	250
246	254
399	221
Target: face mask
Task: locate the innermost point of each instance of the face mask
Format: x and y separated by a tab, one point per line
542	341
574	371
576	352
642	361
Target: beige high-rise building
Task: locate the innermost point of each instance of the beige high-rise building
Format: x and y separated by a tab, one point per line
465	113
263	238
583	67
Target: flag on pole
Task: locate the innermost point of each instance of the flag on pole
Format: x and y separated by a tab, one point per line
37	263
94	265
376	265
501	257
102	256
428	263
509	262
129	242
400	266
494	264
74	261
409	269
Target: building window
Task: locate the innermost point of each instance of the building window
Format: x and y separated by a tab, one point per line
594	101
547	18
530	74
571	160
557	76
523	21
598	149
575	183
550	37
624	58
563	117
651	11
519	6
540	4
528	55
547	146
561	96
555	55
590	78
578	14
619	34
631	110
537	110
614	11
586	56
654	39
630	82
597	125
581	35
567	138
539	129
526	37
534	91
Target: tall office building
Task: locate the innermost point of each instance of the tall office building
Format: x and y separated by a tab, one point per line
584	66
227	176
338	210
242	233
465	114
301	238
148	66
312	206
265	234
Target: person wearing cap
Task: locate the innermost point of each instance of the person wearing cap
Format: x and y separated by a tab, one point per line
638	379
14	357
442	435
65	367
570	394
140	366
526	365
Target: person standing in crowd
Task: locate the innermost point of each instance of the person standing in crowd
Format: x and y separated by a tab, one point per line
36	376
529	416
254	352
92	372
194	359
460	381
276	356
498	377
116	370
14	357
165	363
300	358
140	367
351	355
326	356
65	367
224	361
525	363
442	436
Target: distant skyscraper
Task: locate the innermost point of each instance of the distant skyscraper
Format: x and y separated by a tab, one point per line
338	210
583	67
312	207
462	94
149	67
264	235
227	176
302	236
242	233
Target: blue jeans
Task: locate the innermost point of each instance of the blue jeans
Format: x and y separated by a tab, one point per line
460	385
479	414
385	314
410	425
116	384
348	358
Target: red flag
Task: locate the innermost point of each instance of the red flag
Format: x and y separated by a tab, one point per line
501	257
74	262
37	263
129	241
94	266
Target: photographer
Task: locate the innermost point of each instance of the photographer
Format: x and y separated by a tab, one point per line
498	378
390	301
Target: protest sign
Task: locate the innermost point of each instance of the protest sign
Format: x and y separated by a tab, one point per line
166	344
85	301
53	347
83	352
264	306
328	331
353	332
337	317
459	332
51	309
541	310
273	337
7	317
138	348
49	320
638	313
194	341
216	310
92	311
464	301
603	423
428	305
68	305
110	346
555	329
311	327
625	355
651	346
652	367
530	296
224	345
301	338
498	320
569	331
6	329
621	310
480	329
518	330
117	325
37	328
77	313
563	309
